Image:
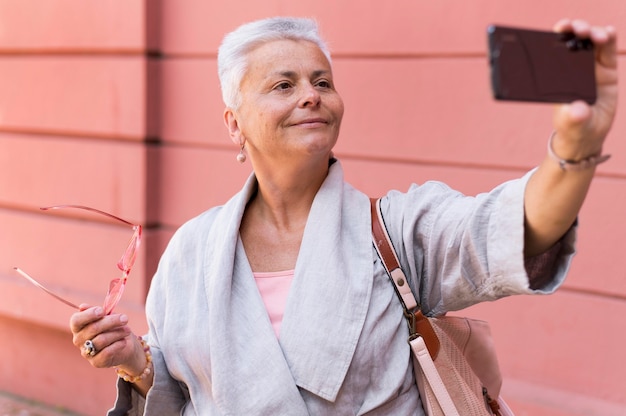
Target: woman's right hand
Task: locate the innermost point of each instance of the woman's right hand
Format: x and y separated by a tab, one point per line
113	342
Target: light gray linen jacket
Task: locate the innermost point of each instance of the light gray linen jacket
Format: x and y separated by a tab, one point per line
342	348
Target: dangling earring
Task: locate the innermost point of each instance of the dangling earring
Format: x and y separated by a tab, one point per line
241	157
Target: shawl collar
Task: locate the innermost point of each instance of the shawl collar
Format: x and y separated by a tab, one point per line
331	290
251	371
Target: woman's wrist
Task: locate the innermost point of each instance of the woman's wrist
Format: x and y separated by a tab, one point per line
576	164
132	376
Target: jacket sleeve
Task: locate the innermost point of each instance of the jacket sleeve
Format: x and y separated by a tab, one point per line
164	398
459	250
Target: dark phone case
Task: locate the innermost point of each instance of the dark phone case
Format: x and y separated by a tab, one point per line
538	66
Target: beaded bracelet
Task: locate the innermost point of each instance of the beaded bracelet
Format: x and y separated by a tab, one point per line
575	165
133	379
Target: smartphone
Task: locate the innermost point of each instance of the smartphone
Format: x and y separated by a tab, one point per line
540	66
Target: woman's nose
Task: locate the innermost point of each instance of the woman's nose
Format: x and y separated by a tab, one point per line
310	96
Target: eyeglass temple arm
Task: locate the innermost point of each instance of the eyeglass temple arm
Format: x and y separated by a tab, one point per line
40	286
87	209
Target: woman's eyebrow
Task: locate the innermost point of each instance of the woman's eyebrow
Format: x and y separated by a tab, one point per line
293	74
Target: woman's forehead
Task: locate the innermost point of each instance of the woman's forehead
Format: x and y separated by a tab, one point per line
287	55
286	49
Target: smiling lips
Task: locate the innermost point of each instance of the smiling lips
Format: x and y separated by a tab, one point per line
311	122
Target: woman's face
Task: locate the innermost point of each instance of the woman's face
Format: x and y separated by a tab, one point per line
289	105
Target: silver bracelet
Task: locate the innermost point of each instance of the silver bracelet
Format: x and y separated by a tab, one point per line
575	165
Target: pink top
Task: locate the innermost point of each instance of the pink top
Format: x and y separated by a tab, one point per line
274	288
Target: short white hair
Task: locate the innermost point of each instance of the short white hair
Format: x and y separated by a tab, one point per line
232	56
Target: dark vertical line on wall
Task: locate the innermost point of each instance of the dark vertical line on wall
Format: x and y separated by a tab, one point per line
152	145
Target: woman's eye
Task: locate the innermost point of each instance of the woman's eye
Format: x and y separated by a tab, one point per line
324	84
283	86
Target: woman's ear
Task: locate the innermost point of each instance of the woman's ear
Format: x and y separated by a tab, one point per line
230	120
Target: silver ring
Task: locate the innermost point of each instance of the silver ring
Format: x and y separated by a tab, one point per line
89	348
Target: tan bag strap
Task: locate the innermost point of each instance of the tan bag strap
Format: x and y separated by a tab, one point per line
418	323
388	256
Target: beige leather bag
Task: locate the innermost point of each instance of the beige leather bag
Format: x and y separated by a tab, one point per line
454	358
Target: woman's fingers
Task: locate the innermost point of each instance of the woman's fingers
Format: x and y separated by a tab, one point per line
600	35
111	324
603	37
85	316
588	125
102	339
112	348
579	27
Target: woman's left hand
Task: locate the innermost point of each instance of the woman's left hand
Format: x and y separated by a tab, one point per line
582	128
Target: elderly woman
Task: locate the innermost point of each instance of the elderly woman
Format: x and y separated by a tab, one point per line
276	303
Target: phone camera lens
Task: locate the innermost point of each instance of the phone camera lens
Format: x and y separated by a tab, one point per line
573	44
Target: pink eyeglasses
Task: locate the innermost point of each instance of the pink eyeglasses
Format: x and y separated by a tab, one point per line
125	263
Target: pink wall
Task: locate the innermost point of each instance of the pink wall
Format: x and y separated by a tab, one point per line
116	105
